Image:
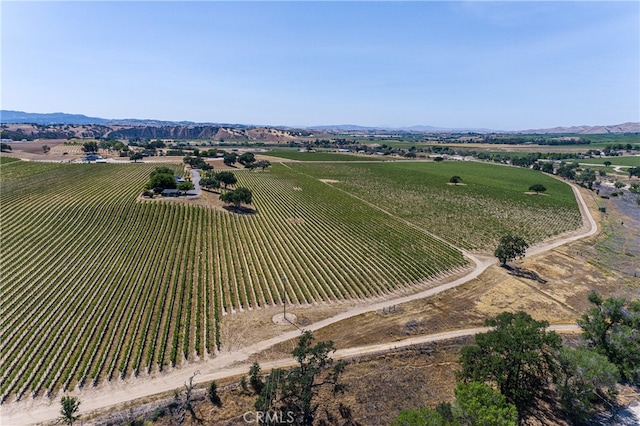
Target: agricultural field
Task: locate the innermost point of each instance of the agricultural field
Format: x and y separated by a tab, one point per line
98	285
633	161
320	156
491	201
6	160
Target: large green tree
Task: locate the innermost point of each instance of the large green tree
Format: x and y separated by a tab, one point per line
587	382
517	355
246	158
229	158
295	391
90	147
479	404
209	183
237	196
475	404
185	186
612	327
136	156
510	247
538	188
226	178
455	180
161	181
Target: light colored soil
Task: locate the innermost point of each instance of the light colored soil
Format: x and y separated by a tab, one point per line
284	319
535	193
205	199
456	184
329	181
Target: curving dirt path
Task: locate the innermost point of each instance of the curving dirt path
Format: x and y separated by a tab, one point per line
233	363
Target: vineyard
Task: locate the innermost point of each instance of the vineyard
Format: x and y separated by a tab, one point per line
490	202
99	286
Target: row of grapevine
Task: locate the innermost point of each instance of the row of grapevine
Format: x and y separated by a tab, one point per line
99	285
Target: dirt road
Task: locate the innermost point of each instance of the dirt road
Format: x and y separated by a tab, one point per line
220	368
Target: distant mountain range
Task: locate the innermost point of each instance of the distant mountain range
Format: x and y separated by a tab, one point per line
56	118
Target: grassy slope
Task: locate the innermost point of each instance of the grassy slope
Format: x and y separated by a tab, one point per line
493	201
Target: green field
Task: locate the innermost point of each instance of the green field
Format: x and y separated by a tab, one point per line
321	156
492	202
632	161
99	286
7	160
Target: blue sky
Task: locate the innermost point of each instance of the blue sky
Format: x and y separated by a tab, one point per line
500	65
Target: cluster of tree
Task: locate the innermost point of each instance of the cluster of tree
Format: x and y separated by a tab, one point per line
571	171
5	147
17	135
230	158
634	171
237	197
529	366
197	162
90	147
533	139
610	149
212	180
147	144
160	179
209	152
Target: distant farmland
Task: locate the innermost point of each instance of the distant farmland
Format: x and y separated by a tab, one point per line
98	286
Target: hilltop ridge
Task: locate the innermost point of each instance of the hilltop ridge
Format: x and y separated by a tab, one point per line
151	128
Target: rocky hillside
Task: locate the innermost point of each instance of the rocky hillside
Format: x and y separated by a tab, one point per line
590	130
211	132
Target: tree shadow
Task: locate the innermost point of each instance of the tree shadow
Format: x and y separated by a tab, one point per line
525	273
240	210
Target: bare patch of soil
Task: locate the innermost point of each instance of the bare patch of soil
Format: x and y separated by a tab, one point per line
329	181
535	193
206	199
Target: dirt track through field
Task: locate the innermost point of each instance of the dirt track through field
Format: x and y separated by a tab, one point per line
233	363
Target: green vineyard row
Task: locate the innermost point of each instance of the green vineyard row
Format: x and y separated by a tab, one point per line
98	285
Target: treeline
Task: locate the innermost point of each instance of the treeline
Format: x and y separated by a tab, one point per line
538	140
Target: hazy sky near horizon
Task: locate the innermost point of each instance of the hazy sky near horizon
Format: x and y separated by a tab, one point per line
501	65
